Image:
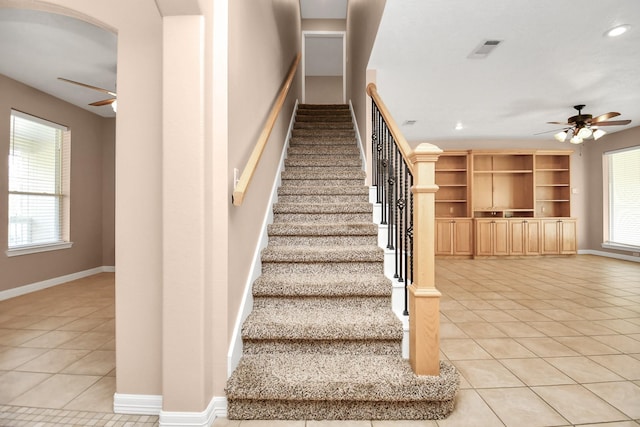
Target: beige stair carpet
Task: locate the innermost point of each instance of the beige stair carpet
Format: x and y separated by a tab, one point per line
322	341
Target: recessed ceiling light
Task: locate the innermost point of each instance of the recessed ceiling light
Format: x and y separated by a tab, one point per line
617	31
459	126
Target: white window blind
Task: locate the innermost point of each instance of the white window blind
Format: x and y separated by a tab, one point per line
38	182
622	170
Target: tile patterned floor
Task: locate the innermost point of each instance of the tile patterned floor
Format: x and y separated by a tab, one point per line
538	342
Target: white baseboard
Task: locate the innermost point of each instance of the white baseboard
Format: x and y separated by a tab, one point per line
33	287
138	404
363	156
217	408
246	304
609	255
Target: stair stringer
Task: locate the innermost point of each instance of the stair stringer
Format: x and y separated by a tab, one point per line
246	304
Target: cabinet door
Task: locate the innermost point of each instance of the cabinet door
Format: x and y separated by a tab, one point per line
444	236
517	239
567	243
500	237
550	235
484	237
463	237
532	242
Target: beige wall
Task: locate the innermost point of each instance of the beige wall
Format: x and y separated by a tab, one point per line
92	189
324	24
593	153
264	38
363	18
323	90
109	192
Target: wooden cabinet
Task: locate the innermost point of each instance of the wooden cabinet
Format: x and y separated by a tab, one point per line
492	237
559	236
504	202
454	236
524	237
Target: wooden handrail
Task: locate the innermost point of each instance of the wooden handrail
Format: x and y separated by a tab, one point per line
401	142
250	168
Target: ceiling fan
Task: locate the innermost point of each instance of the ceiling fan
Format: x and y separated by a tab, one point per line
110	101
583	126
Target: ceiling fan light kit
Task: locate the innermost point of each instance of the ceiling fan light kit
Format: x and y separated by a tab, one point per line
585	126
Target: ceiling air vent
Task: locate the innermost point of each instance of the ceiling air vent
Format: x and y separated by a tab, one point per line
484	49
409	122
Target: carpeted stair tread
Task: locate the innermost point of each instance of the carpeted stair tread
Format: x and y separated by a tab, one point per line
324	118
320	133
337	378
322	254
319	141
305	321
324	150
314	229
326	162
336	285
322	125
356	190
324	173
322	208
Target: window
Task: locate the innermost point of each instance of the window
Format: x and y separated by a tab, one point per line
622	199
39	153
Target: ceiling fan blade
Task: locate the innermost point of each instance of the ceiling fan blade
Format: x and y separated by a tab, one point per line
613	123
549	131
603	117
87	86
559	123
103	102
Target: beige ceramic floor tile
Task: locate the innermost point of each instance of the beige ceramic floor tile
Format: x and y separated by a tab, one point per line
622	364
495	316
51	339
555	329
99	362
620	325
583	369
88	341
621	343
16	337
98	397
16	356
518	329
470	411
56	391
450	330
53	361
579	405
546	347
419	423
625	396
536	372
520	407
16	383
587	327
327	423
463	349
487	374
84	324
19	322
51	323
503	348
586	345
480	330
224	422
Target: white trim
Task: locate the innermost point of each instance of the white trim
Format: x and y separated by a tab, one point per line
303	61
620	247
37	286
609	255
360	146
235	347
138	404
217	408
34	249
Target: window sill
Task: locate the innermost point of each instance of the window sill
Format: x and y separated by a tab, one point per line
620	247
26	250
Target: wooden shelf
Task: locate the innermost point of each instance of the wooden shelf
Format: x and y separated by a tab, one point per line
505	171
450	170
451	201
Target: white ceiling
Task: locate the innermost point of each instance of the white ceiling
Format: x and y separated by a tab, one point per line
38	47
553	56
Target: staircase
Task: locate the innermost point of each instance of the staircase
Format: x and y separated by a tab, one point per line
322	341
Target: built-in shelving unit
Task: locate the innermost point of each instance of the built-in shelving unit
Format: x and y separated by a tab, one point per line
504	202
